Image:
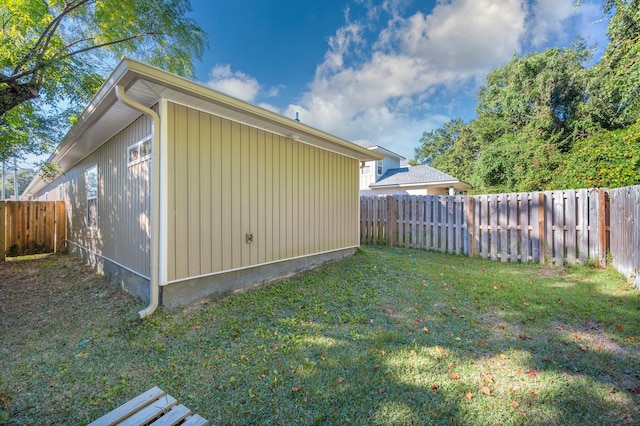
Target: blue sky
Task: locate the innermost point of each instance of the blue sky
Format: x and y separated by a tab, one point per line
384	71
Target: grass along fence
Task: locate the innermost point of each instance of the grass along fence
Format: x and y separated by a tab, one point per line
559	226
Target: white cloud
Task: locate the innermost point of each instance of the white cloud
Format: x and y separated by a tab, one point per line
236	84
547	19
378	99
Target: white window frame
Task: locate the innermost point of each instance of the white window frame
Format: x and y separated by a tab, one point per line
142	146
379	167
92	197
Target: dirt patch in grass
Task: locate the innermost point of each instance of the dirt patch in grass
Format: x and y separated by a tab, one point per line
35	293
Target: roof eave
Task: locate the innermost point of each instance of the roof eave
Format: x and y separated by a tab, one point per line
128	71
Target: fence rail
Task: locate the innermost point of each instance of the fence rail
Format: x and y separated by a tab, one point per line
558	226
31	227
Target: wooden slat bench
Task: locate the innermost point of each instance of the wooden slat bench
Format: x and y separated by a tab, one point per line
154	407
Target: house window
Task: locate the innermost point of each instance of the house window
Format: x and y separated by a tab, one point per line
379	167
139	151
92	196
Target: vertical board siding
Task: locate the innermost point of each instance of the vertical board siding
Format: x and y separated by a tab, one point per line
228	180
123	231
561	226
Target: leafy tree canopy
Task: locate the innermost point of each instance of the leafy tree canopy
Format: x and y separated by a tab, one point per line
55	54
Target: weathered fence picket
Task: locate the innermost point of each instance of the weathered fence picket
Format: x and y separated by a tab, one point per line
625	231
559	226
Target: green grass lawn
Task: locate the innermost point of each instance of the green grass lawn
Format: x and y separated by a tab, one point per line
390	336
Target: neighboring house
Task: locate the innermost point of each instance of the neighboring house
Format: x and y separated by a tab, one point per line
371	171
392	175
183	193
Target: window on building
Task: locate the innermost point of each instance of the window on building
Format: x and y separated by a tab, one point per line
91	176
379	167
139	151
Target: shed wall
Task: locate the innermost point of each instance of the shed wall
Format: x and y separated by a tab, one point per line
227	180
122	234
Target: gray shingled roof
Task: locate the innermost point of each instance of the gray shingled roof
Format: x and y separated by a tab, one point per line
364	143
412	175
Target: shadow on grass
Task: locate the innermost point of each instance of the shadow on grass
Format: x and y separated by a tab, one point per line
389	337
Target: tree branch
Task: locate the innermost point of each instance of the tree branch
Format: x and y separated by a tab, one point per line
109	43
47	34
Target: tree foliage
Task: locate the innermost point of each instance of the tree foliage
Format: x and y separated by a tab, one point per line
58	52
540	116
606	159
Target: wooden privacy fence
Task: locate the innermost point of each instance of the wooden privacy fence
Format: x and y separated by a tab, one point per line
625	231
31	227
559	226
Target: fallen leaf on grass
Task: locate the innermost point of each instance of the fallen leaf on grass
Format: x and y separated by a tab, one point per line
434	386
382	390
524	337
376	367
619	327
340	379
296	389
455	376
468	395
532	374
514	405
522	413
501	326
488	378
503	356
582	347
485	390
441	351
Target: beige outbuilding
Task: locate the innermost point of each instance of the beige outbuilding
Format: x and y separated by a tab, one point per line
182	193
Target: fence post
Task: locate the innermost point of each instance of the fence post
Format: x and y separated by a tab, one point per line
2	230
602	227
470	225
541	227
391	223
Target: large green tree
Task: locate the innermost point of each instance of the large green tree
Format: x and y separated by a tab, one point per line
529	115
614	86
55	54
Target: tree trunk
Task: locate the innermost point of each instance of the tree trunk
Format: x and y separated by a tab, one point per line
14	94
